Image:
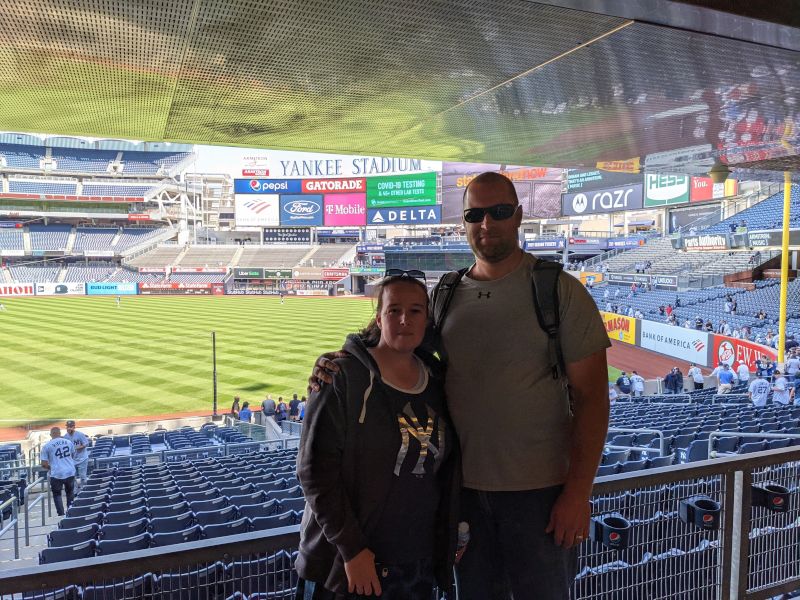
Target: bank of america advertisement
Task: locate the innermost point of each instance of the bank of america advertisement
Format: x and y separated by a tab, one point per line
538	188
257	210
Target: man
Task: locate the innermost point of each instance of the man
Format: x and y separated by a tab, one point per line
268	407
637	381
780	390
624	383
670	383
81	456
696	375
743	372
792	366
759	391
725	379
56	457
294	412
245	413
528	482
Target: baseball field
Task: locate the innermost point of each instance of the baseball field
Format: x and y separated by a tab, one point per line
86	358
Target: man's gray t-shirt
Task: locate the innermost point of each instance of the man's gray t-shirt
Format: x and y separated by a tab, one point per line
58	453
513	419
77	438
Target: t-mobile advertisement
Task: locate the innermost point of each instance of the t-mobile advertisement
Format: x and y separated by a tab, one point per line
343	210
733	351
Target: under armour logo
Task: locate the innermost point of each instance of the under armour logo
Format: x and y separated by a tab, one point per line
482	294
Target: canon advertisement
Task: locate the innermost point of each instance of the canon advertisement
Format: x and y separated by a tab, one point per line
182	289
602	201
17	289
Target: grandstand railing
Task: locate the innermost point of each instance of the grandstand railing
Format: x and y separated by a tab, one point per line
292	427
739	434
12	523
43	500
662	445
751	555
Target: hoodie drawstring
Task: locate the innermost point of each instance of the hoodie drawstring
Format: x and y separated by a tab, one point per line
366	395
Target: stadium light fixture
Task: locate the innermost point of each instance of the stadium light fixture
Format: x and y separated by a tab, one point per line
719	172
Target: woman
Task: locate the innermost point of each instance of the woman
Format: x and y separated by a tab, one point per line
235	407
378	462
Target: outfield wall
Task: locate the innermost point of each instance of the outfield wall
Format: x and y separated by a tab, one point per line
705	349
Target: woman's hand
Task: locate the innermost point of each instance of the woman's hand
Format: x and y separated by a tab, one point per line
324	370
362	578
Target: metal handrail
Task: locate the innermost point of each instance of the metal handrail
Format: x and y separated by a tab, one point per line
13	521
719	434
29	505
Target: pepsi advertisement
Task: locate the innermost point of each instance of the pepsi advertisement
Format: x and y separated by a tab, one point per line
267	186
304	210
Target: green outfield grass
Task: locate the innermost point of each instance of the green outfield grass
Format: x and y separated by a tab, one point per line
85	358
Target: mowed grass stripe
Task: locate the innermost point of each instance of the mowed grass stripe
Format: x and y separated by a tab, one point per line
83	356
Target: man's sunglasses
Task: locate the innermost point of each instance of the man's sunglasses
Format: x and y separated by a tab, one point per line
413	273
498	212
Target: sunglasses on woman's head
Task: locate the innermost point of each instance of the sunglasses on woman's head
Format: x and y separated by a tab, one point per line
413	273
498	212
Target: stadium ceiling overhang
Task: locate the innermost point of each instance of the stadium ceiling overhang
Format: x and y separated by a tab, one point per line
655	84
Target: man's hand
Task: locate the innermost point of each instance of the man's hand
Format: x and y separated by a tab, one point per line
569	519
324	369
362	578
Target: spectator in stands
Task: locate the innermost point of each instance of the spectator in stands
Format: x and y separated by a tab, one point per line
709	326
235	408
763	366
769	339
688	324
791	343
281	410
679	388
668	310
638	314
57	458
737	333
268	407
616	292
637	384
758	391
301	408
624	383
726	378
294	412
245	413
699	323
761	315
725	328
734	307
662	310
743	372
780	389
612	394
792	365
525	536
727	306
670	384
609	307
696	376
672	319
391	506
631	312
81	456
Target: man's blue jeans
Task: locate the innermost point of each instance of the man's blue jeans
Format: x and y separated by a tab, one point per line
508	550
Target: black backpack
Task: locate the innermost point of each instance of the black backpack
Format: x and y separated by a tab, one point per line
545	300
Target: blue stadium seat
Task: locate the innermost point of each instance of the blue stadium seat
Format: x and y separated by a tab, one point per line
76	522
726	445
208	494
195	486
613	457
165	500
660	461
51	555
214	517
247	499
193	585
280	520
632	465
139	542
237	490
697	450
117	505
748	447
172	510
126	516
190	534
208	505
140	587
88	500
172	523
123	531
774	444
71	537
158	491
293	492
231	528
270	486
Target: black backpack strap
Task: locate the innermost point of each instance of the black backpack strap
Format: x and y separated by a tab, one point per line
443	295
544	280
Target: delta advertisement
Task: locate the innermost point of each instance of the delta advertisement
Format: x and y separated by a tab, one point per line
538	188
732	351
111	289
182	289
17	289
686	344
417	215
620	327
60	289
